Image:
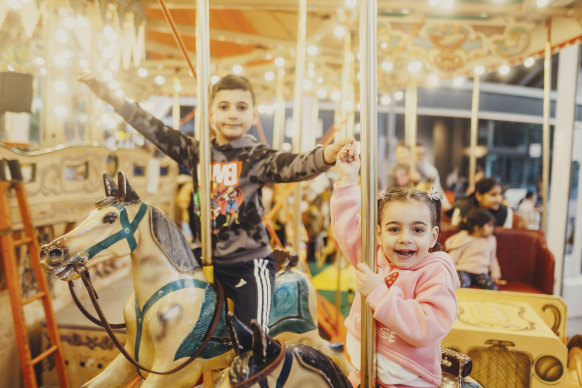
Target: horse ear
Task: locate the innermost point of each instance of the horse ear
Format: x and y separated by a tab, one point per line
126	193
265	348
240	334
110	187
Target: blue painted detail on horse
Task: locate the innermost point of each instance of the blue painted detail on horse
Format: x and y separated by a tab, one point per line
165	290
290	308
220	342
127	231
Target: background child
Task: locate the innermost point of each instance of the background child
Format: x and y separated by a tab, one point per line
412	296
488	195
242	257
474	251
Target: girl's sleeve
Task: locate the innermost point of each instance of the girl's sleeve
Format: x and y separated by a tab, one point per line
494	269
181	148
509	219
425	319
456	217
345	220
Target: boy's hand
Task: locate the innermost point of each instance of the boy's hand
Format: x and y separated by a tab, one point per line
100	88
348	163
330	151
367	280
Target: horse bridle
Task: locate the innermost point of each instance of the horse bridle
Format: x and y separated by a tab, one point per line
263	373
127	232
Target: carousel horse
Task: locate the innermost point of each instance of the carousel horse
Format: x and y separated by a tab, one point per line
173	314
262	361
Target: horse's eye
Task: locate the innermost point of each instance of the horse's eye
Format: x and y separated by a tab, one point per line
109	218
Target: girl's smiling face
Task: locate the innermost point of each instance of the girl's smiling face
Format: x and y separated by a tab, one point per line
406	233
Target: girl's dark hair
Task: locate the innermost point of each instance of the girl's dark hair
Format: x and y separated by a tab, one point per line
485	185
232	82
403	194
476	217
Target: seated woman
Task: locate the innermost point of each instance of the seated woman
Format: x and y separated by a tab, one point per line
488	196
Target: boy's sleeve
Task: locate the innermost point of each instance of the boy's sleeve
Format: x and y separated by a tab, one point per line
280	167
420	321
181	148
345	220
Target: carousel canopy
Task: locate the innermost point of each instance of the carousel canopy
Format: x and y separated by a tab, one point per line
421	41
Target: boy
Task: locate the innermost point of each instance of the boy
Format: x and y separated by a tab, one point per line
242	257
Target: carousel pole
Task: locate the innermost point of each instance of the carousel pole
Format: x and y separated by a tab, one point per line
176	103
410	109
203	66
297	109
279	122
546	124
474	130
347	107
368	137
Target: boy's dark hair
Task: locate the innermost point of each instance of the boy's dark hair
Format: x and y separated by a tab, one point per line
476	217
529	194
232	82
404	194
485	185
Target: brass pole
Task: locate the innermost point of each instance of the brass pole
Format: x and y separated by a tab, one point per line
474	130
410	108
298	108
203	66
546	124
279	122
368	137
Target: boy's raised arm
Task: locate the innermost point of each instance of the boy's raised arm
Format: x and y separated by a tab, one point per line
331	151
100	89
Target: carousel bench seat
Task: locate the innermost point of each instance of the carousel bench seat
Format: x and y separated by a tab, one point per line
525	260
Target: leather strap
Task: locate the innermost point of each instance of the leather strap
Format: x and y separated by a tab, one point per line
108	328
87	313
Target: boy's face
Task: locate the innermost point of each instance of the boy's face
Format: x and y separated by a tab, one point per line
232	114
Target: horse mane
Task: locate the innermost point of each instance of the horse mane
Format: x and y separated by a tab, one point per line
318	361
172	242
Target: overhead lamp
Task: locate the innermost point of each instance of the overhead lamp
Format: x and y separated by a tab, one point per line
458	81
214	79
432	80
399	95
237	69
541	3
479	70
269	76
414	66
503	69
159	79
321	93
385	100
312	50
387	65
280	61
142	72
339	31
529	62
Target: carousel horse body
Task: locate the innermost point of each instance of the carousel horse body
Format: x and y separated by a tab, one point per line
172	305
264	362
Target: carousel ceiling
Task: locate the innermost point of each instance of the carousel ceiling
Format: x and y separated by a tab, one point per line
419	41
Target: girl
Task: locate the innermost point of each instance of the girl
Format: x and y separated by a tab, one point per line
488	195
412	296
474	251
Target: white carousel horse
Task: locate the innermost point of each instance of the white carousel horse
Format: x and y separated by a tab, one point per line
262	362
169	318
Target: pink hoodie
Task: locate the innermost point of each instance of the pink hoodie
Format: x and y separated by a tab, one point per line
416	312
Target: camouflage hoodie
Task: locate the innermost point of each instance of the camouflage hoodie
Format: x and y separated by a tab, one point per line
239	170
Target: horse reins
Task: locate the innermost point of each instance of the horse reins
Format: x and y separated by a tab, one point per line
108	328
262	374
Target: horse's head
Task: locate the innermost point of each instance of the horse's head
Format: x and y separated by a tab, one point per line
108	231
